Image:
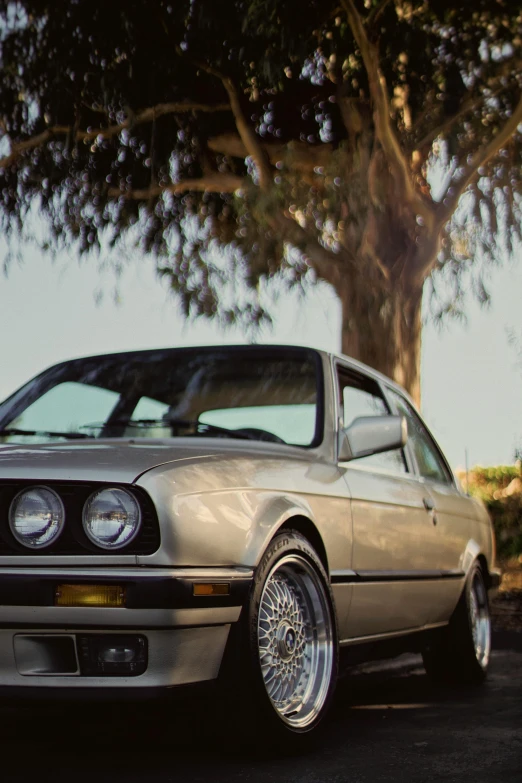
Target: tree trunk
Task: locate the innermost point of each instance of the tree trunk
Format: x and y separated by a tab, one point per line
382	328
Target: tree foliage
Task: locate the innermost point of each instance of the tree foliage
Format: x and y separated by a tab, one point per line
272	140
500	489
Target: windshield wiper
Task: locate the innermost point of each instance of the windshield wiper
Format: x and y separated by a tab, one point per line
171	424
46	433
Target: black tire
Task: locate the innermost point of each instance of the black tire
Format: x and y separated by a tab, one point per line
288	628
460	652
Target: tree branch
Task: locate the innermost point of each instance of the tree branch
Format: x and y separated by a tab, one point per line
455	190
382	115
249	137
144	116
24	146
467	106
212	183
375	14
433	134
327	265
427	255
304	157
247	134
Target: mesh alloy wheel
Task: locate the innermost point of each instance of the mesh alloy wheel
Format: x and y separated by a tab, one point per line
295	639
479	619
460	652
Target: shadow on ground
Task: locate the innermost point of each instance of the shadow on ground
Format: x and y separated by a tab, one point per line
389	723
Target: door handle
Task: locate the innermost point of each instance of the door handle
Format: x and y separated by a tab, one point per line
429	505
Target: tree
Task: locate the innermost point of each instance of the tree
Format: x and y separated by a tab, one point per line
272	140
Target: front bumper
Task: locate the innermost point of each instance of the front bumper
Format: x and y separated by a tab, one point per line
185	634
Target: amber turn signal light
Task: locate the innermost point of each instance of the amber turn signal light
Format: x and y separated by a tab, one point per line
89	595
209	588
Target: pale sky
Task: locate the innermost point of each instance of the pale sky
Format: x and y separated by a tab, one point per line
471	381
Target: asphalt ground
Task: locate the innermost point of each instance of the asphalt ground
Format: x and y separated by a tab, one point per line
389	723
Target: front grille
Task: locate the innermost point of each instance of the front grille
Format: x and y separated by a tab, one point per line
73	540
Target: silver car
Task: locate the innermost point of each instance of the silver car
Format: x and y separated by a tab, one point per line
241	513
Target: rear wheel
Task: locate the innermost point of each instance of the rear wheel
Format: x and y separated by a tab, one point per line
286	653
461	652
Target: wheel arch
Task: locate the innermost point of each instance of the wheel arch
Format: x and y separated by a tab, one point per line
480	559
474	553
489	577
306	527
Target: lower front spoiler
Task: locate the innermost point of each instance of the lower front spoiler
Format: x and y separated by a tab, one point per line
176	657
176	632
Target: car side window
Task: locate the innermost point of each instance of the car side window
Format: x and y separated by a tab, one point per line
429	461
360	396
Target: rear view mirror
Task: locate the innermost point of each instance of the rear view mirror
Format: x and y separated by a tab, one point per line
372	435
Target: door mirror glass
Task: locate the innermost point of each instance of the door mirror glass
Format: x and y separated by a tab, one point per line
372	435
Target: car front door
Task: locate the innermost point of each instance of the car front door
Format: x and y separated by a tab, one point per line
393	563
453	513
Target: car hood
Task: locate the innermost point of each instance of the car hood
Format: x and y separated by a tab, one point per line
113	461
122	460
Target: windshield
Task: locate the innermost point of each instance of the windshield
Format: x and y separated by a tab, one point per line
249	393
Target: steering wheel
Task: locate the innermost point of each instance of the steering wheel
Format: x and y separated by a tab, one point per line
259	434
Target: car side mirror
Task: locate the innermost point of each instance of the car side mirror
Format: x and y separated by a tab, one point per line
371	435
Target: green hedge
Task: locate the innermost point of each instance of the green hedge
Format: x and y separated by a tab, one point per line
500	488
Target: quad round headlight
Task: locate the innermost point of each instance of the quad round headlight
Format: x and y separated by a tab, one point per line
36	517
111	518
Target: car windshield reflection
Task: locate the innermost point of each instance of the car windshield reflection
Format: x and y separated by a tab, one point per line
268	395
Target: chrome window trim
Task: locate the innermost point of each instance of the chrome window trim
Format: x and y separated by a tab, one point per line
410	476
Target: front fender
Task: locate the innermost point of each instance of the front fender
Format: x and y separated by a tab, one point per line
225	513
471	553
225	527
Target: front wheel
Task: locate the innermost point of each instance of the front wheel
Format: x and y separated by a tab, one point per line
461	652
287	663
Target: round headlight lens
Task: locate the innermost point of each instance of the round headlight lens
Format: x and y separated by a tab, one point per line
36	517
111	518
